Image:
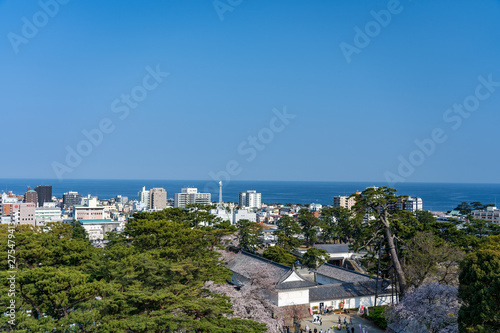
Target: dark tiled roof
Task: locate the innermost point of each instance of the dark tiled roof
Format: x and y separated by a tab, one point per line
245	264
341	274
345	290
294	284
333	248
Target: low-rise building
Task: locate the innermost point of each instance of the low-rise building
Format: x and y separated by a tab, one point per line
242	214
97	228
344	201
234	216
491	214
88	211
352	291
315	207
48	213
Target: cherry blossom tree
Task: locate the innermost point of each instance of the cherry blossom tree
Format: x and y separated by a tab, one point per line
253	299
249	302
433	305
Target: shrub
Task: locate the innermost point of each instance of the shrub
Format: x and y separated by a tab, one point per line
377	315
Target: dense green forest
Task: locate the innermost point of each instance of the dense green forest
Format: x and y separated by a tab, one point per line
150	278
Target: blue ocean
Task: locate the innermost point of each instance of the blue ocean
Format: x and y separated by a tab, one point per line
435	196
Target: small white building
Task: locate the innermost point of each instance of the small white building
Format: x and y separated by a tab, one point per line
234	216
96	229
5	219
315	207
242	214
48	213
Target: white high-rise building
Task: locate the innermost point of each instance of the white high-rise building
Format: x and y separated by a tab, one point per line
413	204
143	196
190	195
250	199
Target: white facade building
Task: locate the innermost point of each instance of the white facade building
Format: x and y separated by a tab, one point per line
94	232
234	216
412	204
139	206
5	219
250	199
89	211
143	196
48	213
190	195
244	215
314	207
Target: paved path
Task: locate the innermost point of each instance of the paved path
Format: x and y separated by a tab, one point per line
330	320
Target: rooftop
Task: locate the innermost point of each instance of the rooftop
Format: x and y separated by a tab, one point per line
347	290
333	248
245	265
342	274
98	221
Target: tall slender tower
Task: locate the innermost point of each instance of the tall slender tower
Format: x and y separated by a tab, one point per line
220	195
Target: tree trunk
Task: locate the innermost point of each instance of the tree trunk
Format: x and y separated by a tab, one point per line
395	260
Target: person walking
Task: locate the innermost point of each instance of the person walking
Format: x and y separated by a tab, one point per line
339	320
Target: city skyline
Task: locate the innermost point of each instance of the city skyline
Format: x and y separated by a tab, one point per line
386	91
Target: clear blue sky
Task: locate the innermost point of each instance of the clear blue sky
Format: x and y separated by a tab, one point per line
352	121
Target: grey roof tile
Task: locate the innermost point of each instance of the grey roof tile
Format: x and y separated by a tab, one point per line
346	290
341	274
